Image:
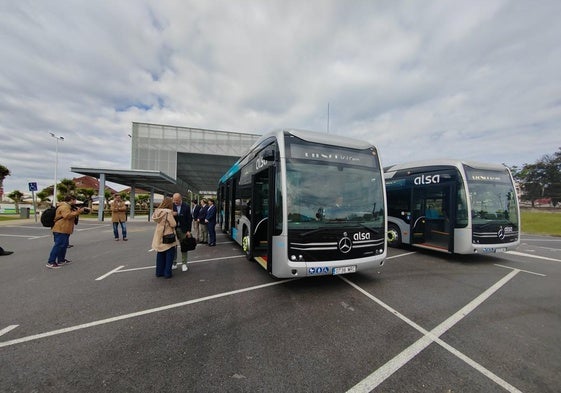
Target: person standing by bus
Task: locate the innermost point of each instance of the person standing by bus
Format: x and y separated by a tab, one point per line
183	218
203	232
195	214
210	221
163	217
119	216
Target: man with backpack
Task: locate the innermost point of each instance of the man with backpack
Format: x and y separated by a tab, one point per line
64	222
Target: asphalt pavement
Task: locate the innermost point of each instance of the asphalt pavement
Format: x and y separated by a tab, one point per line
425	322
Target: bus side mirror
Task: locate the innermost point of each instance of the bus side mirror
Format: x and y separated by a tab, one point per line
269	155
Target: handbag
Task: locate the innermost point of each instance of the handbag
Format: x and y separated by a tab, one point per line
188	244
169	238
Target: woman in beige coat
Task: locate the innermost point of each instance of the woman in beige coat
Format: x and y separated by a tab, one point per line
163	217
119	216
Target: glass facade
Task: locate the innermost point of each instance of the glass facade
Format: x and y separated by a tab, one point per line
156	146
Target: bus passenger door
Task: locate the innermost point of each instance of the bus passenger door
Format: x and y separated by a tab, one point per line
430	217
262	217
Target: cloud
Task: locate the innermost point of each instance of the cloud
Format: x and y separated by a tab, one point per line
475	80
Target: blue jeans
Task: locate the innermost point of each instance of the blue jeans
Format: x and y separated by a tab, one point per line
123	229
58	252
164	260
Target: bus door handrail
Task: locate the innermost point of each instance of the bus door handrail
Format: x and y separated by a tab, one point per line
259	223
416	221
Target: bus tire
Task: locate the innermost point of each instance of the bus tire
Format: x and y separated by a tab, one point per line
246	244
394	235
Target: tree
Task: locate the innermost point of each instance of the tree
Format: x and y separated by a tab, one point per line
86	194
106	198
66	186
4	172
17	197
541	179
142	200
43	195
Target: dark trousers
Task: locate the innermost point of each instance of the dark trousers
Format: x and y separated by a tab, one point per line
211	226
164	260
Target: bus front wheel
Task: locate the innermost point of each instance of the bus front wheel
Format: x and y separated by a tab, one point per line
246	245
394	235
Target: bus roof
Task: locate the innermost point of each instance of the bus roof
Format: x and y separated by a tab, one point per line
443	162
309	136
314	136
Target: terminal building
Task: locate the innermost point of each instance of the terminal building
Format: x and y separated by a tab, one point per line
167	159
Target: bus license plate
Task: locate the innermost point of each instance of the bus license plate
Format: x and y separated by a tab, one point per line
344	269
488	250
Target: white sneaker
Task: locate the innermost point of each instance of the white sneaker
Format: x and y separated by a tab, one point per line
174	266
184	267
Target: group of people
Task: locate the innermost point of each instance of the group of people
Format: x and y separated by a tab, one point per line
174	215
66	217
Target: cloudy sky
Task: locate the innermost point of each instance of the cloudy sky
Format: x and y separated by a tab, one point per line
478	80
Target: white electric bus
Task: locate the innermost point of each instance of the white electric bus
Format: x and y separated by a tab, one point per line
303	203
452	206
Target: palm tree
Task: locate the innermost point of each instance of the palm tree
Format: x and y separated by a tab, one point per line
87	194
107	196
65	187
43	196
16	196
4	172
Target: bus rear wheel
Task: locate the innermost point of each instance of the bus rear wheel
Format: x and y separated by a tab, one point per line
394	235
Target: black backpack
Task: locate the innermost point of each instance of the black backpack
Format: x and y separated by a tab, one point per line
48	217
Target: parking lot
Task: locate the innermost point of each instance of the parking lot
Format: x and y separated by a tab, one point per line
425	322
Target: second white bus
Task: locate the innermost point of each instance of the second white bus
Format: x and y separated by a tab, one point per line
452	206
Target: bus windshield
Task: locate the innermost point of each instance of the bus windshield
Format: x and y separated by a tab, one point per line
492	197
320	194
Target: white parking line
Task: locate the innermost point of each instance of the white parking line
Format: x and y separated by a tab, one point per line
402	255
137	314
8	329
110	273
541	239
381	374
24	236
521	254
121	270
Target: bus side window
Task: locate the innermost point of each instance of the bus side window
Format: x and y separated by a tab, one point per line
431	212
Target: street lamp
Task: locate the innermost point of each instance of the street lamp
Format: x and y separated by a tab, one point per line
58	138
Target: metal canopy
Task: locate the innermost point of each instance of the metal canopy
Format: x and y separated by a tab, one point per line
133	177
198	173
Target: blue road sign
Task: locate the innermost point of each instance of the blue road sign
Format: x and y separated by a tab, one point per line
33	186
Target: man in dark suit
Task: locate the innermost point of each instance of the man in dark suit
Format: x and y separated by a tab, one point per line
210	220
184	219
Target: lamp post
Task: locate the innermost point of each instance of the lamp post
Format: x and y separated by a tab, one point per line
58	138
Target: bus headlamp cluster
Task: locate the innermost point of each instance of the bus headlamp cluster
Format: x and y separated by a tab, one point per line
294	258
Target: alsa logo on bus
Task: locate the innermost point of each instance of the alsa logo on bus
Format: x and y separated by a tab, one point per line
361	236
426	179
